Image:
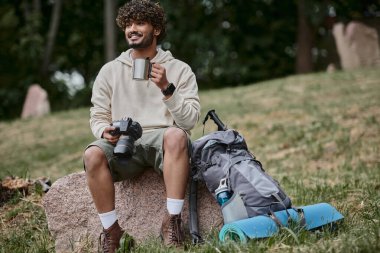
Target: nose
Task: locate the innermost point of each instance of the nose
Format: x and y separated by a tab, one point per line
133	27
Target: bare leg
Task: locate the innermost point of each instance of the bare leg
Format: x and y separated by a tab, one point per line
99	179
176	163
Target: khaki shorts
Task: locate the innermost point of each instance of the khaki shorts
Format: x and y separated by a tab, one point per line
148	154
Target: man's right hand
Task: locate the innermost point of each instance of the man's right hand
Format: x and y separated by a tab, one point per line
108	136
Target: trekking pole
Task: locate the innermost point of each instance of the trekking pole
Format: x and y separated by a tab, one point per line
212	114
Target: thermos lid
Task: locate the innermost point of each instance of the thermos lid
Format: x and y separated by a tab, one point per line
222	186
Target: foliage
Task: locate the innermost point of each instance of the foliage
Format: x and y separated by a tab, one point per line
227	43
317	134
24	38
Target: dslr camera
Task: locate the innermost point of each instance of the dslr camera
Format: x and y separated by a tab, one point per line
129	132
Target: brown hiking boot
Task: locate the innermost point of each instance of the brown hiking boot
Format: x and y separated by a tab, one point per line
171	230
111	238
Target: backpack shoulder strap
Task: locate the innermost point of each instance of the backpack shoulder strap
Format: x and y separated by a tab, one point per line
193	213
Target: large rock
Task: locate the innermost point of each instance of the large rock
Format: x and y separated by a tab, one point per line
357	44
36	103
140	204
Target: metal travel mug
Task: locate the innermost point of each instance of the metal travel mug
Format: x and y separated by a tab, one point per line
141	69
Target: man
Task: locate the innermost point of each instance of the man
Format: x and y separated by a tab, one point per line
167	108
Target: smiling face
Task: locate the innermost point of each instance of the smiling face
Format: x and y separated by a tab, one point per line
143	17
140	34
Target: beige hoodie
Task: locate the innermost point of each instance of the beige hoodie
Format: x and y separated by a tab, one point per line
116	95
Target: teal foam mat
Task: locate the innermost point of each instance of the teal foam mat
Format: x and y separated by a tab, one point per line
262	226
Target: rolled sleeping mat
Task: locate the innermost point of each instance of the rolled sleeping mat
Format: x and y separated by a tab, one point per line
263	226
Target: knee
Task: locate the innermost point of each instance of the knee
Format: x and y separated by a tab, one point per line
175	140
93	159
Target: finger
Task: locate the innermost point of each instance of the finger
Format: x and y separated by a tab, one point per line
158	68
108	129
112	140
155	72
155	77
158	72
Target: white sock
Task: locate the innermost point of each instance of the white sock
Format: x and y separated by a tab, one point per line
108	219
174	205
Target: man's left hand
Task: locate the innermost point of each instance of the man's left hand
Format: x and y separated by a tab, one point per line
158	76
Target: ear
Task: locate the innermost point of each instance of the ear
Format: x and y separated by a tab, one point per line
157	32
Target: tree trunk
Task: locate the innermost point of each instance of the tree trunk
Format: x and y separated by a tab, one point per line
53	29
305	41
26	10
37	5
109	30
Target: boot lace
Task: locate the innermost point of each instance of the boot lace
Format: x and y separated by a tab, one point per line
106	242
175	229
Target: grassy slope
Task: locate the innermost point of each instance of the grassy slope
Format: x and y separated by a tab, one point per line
319	135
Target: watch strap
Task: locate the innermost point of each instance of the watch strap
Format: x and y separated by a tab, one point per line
169	90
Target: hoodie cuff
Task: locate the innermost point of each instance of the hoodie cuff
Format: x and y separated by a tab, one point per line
174	101
98	133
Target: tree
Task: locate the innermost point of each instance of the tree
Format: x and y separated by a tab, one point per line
305	40
315	44
227	43
21	48
110	29
53	29
232	42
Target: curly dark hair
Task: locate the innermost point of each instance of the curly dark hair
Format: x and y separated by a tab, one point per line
143	10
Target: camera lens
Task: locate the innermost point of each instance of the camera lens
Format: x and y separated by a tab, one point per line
130	131
124	147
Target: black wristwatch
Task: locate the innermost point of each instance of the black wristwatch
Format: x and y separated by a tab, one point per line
169	90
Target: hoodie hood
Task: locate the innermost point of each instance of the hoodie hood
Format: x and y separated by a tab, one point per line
161	57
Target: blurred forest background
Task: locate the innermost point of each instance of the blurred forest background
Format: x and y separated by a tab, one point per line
61	45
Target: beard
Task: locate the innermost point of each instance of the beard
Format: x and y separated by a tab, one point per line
146	42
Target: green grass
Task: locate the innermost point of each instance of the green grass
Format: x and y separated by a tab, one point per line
318	134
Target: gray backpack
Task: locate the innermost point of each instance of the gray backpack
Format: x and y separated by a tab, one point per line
224	155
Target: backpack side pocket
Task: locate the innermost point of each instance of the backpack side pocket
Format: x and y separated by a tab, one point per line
234	209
